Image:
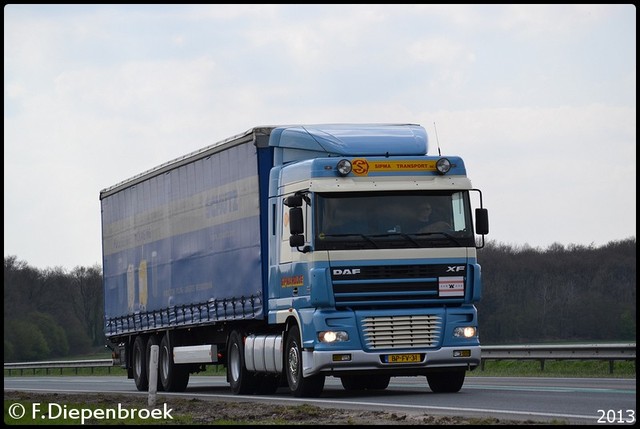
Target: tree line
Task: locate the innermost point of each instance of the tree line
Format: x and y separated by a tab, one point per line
562	293
530	295
51	313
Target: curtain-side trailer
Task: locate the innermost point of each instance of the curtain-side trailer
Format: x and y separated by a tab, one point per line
292	253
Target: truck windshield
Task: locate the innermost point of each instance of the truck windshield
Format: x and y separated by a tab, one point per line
385	220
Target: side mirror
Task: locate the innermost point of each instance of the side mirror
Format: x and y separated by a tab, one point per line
293	201
296	222
296	225
482	221
296	240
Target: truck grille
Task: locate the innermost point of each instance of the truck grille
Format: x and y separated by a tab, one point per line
402	332
388	285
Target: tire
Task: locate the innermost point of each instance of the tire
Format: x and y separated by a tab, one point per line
173	377
372	382
446	382
153	341
139	364
241	381
300	386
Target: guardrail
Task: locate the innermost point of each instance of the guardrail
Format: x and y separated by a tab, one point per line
47	365
541	352
606	352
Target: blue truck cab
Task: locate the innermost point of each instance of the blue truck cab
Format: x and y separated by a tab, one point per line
292	253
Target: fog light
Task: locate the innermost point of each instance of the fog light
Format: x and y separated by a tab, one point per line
341	358
462	353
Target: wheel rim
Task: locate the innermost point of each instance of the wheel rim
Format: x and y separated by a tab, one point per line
165	362
138	363
294	364
234	362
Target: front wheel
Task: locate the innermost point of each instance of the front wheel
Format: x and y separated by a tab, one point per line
299	385
446	382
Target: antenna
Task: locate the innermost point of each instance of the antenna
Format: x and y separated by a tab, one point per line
437	141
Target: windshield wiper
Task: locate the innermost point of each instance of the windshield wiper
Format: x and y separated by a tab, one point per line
401	234
365	237
446	234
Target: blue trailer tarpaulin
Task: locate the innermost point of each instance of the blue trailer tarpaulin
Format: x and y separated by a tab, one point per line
172	242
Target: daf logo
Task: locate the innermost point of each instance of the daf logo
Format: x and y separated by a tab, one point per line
345	271
455	269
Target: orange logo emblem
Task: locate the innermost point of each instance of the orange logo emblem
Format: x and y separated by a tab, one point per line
360	167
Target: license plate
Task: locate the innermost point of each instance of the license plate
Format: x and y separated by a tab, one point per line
404	358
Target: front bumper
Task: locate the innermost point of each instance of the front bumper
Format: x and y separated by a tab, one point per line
323	361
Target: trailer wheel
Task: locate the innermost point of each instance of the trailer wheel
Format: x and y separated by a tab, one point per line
299	385
139	364
153	341
446	382
242	381
173	377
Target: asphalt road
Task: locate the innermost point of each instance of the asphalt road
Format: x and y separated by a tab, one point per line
572	400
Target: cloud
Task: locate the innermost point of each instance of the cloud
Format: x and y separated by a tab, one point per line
538	99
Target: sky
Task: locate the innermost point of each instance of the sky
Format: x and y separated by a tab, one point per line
539	101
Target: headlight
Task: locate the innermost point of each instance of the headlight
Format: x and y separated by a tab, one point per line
443	165
332	336
343	167
465	331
